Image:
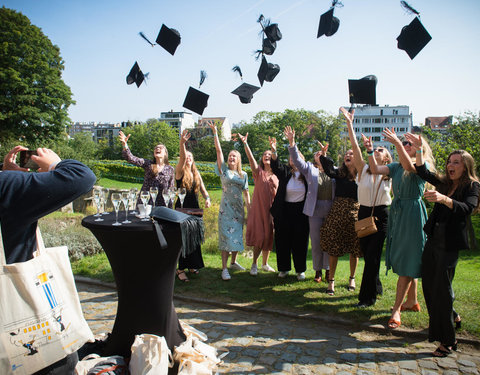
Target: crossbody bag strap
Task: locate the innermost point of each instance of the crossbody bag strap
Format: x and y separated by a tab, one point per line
376	194
160	236
40	245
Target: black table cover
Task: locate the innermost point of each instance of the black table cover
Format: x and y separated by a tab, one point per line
145	277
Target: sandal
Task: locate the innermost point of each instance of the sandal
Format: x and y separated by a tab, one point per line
182	276
443	350
415	308
331	291
318	276
394	324
351	287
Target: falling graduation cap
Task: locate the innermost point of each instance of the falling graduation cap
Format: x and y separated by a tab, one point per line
329	24
195	100
362	91
267	71
136	75
245	91
413	37
167	38
271	30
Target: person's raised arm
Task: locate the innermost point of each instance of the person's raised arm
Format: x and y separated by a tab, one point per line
251	159
9	162
218	147
403	157
273	147
123	139
357	153
372	162
182	158
299	163
417	144
204	192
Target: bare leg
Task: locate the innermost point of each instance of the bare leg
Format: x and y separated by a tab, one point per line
333	267
403	285
225	255
353	269
412	294
265	255
234	257
256	254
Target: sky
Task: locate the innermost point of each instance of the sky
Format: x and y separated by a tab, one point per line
99	44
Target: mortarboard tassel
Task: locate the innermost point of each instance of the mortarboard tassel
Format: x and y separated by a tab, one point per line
237	69
144	37
203	76
408	8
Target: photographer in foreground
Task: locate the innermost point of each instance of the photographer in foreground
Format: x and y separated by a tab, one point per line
26	197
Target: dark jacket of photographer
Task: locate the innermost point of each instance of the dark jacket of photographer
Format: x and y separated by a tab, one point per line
26	197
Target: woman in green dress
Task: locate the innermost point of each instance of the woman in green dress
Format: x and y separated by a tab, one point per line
405	235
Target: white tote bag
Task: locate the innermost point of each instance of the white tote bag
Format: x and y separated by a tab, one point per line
41	319
150	355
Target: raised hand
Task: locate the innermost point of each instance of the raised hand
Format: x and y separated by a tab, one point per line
367	142
391	136
9	162
323	149
289	134
185	136
243	138
273	143
416	141
348	115
212	126
123	138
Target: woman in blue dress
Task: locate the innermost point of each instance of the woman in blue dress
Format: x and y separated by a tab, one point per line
408	215
231	215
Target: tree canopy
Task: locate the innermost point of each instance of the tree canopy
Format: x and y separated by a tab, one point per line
33	97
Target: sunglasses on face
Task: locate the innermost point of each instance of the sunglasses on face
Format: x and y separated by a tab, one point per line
405	143
378	150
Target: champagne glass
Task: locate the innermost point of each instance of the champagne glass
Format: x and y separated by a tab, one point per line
97	199
153	193
133	199
125	199
173	193
103	198
116	199
166	196
182	192
144	197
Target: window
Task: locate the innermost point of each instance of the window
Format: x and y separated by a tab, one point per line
395	111
377	120
402	129
376	139
386	121
377	130
381	112
367	130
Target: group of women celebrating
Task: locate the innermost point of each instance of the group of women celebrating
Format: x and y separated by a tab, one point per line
301	199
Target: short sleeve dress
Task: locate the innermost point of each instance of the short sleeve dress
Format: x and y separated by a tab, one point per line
408	215
231	214
260	221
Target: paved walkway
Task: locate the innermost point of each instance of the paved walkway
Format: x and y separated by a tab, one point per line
264	343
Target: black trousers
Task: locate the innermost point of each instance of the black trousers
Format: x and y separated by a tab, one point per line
291	238
438	270
372	247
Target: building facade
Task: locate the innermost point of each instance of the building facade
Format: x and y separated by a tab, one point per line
372	120
178	120
99	131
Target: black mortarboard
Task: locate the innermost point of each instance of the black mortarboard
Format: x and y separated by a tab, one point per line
196	100
168	39
135	75
267	71
268	47
245	92
413	38
273	32
362	91
328	24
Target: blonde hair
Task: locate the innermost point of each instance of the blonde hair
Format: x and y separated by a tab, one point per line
239	162
165	158
191	177
428	155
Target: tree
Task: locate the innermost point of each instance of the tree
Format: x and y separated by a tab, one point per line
146	136
33	97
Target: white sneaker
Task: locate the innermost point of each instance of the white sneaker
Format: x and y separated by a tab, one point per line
301	276
283	274
254	270
267	268
225	275
236	266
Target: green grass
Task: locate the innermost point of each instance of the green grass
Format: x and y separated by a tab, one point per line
114	184
267	290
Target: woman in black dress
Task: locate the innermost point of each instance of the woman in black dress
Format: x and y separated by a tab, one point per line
187	176
456	197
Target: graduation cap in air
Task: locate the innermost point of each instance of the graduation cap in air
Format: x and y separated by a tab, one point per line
245	91
267	71
271	30
362	91
329	24
268	47
196	100
413	37
167	38
135	75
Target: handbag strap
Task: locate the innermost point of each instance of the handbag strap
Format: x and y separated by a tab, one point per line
40	245
376	194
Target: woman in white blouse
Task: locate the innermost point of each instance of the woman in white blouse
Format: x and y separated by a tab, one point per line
373	191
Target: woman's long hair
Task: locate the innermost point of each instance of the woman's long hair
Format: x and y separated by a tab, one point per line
386	160
239	163
191	177
154	161
468	177
344	172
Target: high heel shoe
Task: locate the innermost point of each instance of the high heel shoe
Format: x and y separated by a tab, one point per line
415	308
351	287
443	350
330	290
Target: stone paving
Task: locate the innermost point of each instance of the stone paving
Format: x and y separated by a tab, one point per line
265	343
